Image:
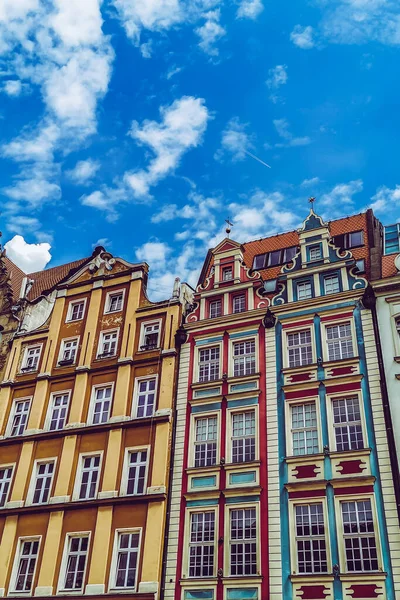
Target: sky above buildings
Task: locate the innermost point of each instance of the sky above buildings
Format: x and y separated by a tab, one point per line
141	125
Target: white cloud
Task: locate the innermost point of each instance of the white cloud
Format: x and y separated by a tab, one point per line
20	224
34	188
146	49
154	15
210	33
250	9
154	253
28	257
167	213
277	76
12	87
103	201
235	141
34	145
105	242
310	182
303	37
173	71
282	128
83	171
340	198
386	199
182	126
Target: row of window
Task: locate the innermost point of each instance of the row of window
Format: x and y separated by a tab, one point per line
114	303
238	306
144	399
133	483
124	566
107	346
310	540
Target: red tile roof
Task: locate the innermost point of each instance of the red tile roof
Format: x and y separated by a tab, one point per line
16	276
388	266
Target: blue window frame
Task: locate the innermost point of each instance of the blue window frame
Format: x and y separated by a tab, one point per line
392	237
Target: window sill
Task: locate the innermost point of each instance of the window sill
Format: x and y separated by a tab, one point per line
312	577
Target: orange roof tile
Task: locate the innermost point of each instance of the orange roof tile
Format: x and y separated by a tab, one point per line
49	278
16	276
388	266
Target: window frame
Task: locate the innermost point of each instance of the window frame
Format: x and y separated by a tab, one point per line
235	297
10	482
23	370
267	260
62	349
143	324
299	329
331	427
100	345
70	309
12	591
231	355
212	301
224	270
313	247
50	407
13	413
79	472
288	417
292	526
33	479
125	470
135	398
64	563
192	437
92	402
324	338
298	282
198	348
187	530
112	579
227	546
229	433
107	302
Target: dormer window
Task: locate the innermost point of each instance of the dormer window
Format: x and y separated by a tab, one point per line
215	309
150	336
227	274
274	258
30	361
353	239
315	252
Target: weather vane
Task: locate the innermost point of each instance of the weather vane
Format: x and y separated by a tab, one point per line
228	226
311	201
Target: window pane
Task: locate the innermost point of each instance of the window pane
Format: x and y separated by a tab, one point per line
347	424
201	545
310	539
304	429
209	364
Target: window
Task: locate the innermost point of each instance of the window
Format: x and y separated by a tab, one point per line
340	343
90	475
244	358
315	252
5	483
108	343
347	424
359	536
209	364
101	404
243	542
137	471
397	323
392	237
227	274
331	284
205	445
277	257
243	436
201	545
114	301
77	550
300	348
150	336
127	559
42	481
304	429
239	303
76	310
31	358
146	396
310	539
304	290
19	417
215	309
349	240
68	352
58	411
26	565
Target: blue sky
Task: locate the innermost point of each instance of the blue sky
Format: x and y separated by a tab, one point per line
134	123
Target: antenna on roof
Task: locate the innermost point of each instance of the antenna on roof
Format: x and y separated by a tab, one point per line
228	226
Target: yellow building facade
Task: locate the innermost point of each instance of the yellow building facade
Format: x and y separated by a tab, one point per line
86	407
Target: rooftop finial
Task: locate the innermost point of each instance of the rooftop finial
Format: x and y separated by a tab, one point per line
228	226
311	201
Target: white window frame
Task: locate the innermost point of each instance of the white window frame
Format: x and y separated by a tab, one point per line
25	358
64	563
100	346
300	290
193	419
331	425
229	432
217	301
331	277
187	540
237	297
10	482
34	476
197	361
231	359
79	473
107	304
227	546
292	526
324	335
135	403
143	325
289	429
14	574
12	415
339	339
288	331
125	470
93	401
71	304
50	407
114	560
62	349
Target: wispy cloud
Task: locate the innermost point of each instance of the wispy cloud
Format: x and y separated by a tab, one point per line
386	199
211	32
303	37
84	171
235	141
283	130
250	9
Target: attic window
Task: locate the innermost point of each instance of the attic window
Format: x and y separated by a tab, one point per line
227	274
353	239
274	258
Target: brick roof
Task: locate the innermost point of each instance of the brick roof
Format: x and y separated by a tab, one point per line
16	276
388	266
